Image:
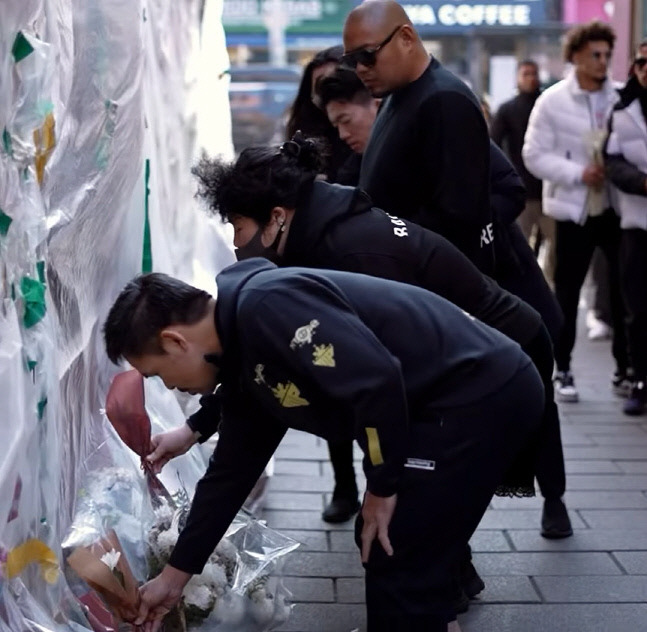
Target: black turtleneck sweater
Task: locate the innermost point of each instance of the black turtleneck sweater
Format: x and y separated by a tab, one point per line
428	161
508	130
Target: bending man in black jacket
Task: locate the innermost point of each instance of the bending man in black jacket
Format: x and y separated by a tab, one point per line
439	414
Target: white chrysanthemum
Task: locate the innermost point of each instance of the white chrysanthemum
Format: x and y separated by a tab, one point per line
261	608
199	596
111	558
164	513
230	609
166	540
214	574
282	609
226	549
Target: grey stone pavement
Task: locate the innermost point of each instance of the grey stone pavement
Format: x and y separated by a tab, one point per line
595	581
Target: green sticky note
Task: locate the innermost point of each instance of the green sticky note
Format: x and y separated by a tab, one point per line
147	256
41	407
21	47
33	293
6	141
5	222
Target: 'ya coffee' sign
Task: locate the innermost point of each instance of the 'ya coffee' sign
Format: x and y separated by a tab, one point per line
455	16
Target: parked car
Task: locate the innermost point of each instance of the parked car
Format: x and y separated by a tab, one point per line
259	96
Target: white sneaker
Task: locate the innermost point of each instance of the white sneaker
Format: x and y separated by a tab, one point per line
598	329
565	390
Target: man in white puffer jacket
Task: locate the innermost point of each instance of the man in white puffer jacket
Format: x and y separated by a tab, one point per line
563	146
626	159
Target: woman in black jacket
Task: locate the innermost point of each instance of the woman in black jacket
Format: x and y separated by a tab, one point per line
281	212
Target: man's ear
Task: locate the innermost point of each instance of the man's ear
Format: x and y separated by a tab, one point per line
172	341
408	35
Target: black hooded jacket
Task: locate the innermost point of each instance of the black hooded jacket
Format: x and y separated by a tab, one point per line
338	355
337	228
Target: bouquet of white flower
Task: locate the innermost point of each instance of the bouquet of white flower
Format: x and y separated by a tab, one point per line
116	529
233	591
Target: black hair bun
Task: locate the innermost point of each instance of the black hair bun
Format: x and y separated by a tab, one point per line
310	152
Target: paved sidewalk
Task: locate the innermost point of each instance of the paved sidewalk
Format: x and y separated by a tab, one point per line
595	581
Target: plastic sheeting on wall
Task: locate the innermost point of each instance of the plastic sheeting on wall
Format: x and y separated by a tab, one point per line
99	109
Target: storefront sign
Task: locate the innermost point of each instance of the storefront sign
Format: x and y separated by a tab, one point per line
300	16
455	16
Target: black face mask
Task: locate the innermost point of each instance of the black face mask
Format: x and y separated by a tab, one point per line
255	248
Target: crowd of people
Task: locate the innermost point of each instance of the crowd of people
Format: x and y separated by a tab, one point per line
387	294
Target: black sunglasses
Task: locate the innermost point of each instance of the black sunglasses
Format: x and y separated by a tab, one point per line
639	62
366	56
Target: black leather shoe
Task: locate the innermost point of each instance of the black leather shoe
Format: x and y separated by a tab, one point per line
470	580
340	510
555	523
461	603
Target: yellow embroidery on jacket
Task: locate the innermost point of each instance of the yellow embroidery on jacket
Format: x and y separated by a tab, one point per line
289	395
324	355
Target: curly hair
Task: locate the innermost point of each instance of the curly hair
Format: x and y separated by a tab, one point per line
579	36
263	177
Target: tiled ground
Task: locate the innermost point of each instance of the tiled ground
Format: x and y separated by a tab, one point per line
595	581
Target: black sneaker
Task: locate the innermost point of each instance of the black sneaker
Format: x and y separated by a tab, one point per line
621	384
555	523
637	400
340	509
565	390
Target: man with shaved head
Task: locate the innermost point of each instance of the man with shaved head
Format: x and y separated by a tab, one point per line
428	156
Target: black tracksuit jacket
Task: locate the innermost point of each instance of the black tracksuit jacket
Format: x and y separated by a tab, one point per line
338	355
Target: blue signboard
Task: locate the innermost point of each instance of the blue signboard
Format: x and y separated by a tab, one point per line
455	16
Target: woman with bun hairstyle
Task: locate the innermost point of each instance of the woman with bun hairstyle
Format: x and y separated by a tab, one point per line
282	211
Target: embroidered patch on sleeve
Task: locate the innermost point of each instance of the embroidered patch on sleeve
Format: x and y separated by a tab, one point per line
324	355
260	376
289	395
303	335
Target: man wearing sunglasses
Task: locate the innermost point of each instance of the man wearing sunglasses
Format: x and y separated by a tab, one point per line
563	146
626	160
428	156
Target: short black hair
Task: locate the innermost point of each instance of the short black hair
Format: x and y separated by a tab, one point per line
579	36
147	305
527	62
342	85
263	177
